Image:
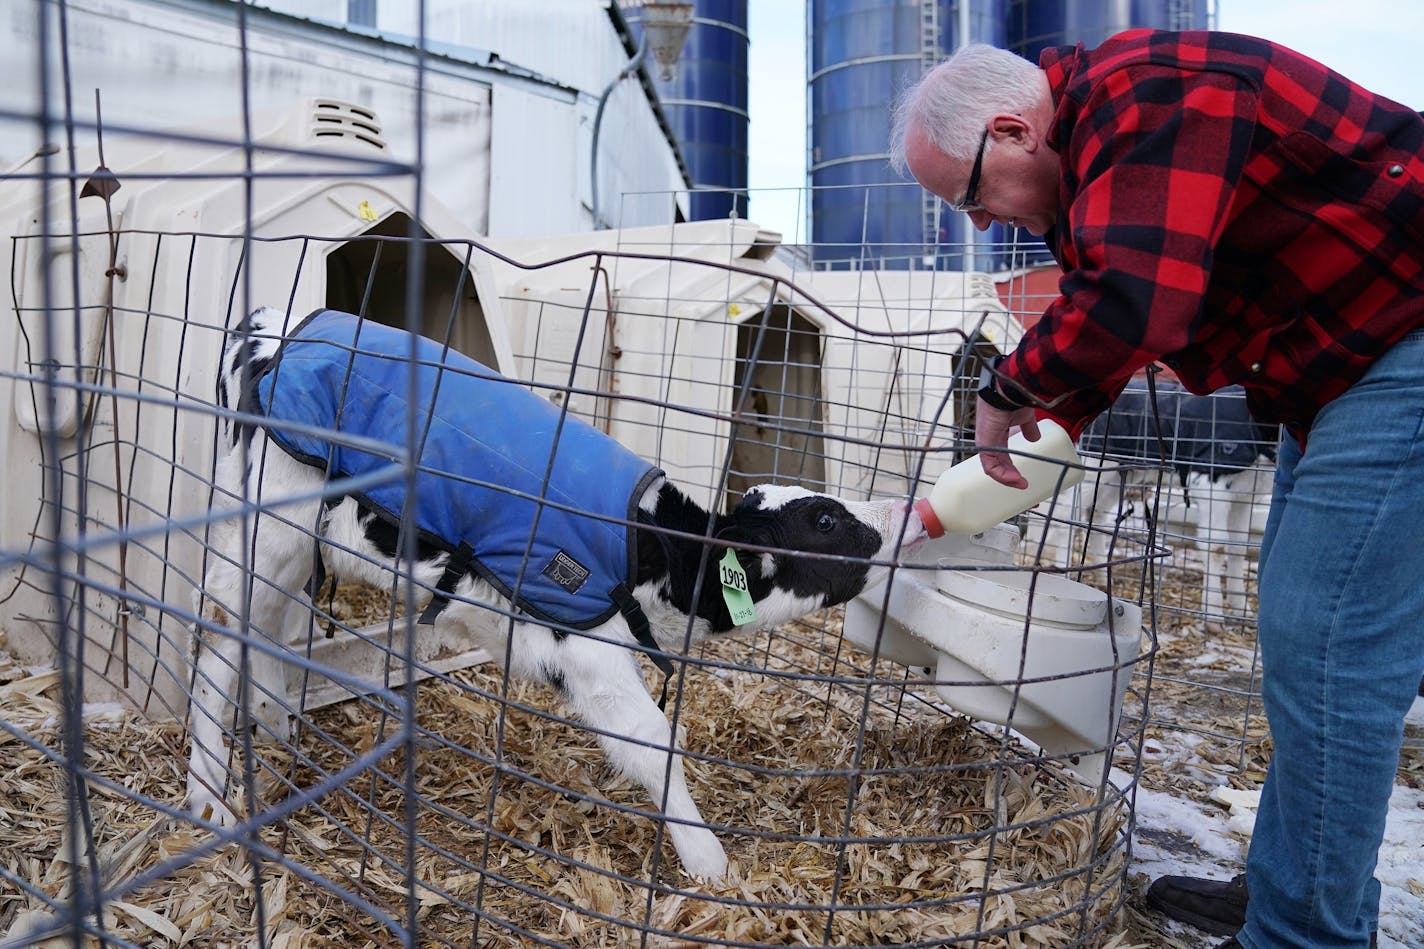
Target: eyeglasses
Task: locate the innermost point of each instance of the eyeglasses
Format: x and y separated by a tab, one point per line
970	201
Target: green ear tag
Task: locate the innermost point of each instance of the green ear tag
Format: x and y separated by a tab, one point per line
734	590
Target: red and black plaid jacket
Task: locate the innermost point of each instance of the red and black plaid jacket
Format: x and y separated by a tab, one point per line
1232	209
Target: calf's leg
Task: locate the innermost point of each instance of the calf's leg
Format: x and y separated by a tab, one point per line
276	564
602	683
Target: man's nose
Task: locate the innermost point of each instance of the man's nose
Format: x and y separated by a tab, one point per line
981	219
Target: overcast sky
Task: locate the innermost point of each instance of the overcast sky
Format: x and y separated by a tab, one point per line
1379	43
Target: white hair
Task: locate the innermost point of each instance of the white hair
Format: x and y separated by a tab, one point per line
953	102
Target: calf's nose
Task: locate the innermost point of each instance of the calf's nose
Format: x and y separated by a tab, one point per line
915	531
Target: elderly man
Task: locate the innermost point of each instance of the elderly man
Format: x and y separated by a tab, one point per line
1241	213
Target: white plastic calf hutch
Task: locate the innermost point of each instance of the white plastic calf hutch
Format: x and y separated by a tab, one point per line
696	340
122	460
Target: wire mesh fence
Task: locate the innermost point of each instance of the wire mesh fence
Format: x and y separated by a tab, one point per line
947	756
473	809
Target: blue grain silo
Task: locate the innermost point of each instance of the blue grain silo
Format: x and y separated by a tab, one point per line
705	102
1035	24
862	52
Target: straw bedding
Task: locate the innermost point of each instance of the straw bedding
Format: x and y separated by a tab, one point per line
995	823
1002	844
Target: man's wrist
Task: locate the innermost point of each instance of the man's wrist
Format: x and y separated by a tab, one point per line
992	396
989	388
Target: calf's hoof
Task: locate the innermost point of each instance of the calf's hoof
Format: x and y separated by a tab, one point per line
207	806
704	859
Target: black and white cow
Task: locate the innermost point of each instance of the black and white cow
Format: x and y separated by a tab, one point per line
1221	458
798	551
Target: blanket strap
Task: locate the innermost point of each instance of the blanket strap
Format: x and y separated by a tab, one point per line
318	574
643	633
456	567
317	580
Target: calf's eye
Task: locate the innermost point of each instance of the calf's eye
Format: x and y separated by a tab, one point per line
826	523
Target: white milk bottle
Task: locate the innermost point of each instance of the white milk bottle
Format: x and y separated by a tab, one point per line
965	500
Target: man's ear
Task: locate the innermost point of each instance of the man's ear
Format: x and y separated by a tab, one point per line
1012	127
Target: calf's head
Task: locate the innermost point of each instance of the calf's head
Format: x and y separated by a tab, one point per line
823	547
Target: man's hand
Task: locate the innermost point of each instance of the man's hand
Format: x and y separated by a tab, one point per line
992	432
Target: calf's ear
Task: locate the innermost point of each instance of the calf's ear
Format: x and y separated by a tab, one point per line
754	562
732	534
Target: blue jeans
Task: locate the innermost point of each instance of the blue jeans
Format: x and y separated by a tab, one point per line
1342	650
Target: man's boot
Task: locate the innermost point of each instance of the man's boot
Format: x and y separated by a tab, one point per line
1216	906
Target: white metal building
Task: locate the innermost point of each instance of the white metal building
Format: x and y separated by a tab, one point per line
504	141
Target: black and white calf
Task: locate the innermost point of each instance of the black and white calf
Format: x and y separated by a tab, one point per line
1221	457
583	605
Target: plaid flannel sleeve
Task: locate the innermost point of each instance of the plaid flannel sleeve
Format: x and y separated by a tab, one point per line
1151	168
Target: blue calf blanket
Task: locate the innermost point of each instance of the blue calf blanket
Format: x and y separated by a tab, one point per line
486	445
